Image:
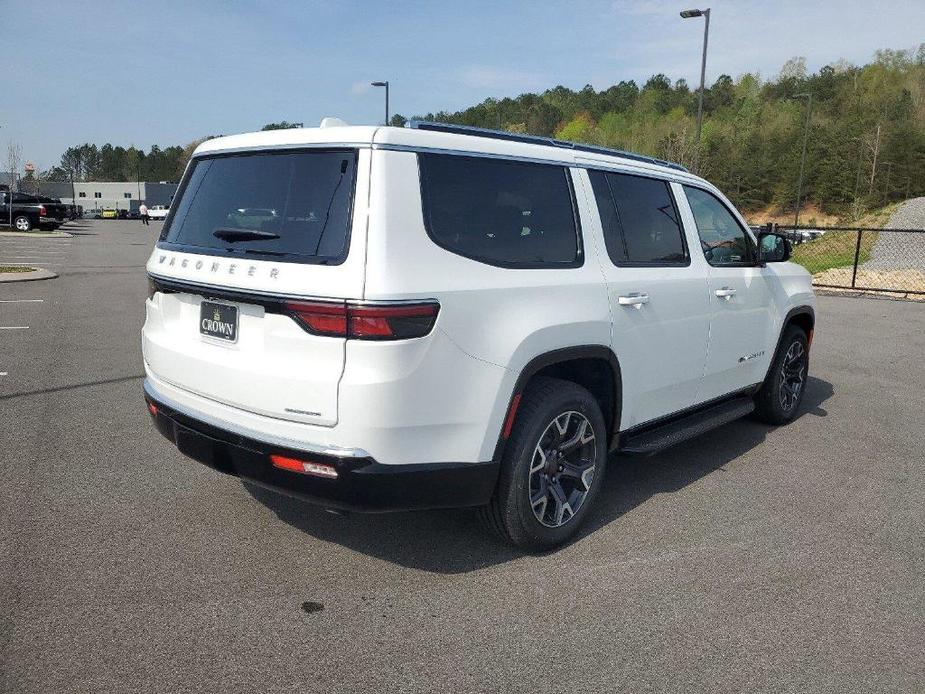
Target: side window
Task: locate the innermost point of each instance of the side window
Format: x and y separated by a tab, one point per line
640	220
610	221
723	239
500	212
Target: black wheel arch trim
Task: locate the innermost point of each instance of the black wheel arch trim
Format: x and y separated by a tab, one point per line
791	314
560	356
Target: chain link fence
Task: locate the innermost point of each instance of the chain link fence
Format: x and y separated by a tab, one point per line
864	259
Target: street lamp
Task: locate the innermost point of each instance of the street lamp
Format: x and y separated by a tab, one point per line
809	111
689	14
386	85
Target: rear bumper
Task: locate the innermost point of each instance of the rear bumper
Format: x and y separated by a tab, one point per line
362	484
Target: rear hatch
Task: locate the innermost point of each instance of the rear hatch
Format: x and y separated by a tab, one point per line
249	233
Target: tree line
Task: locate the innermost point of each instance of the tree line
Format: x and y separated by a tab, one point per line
89	162
866	138
865	147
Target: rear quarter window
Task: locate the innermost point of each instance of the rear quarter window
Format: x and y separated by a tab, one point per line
294	205
500	212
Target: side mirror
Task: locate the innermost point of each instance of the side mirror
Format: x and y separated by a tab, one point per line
774	248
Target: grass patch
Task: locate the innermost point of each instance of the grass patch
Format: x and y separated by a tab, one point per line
875	218
834	249
16	268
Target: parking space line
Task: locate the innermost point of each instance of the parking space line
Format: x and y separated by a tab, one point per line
14	327
21	301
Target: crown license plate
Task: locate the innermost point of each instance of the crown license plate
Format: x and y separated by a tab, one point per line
219	321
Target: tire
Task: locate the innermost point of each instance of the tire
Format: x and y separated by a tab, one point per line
22	223
568	485
780	396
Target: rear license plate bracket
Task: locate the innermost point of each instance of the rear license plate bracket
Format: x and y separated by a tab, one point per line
218	321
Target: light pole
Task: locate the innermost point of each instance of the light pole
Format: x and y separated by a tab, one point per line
809	112
688	14
386	85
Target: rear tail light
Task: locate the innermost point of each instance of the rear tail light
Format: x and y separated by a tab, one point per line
306	467
365	321
42	211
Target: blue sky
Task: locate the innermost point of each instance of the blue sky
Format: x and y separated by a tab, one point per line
166	72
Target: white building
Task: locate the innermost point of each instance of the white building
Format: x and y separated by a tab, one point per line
122	195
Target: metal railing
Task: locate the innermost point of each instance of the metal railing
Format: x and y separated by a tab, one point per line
864	259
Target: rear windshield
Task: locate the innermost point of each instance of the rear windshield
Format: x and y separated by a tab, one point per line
294	205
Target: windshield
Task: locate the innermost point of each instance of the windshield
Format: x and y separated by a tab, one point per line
290	204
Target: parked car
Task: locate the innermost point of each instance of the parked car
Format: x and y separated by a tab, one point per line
109	213
439	316
158	212
26	212
91	214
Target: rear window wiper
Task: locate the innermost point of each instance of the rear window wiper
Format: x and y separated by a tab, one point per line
243	235
260	251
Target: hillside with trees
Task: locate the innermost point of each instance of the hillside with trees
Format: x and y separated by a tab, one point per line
866	142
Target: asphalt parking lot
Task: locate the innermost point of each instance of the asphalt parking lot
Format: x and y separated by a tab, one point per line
750	559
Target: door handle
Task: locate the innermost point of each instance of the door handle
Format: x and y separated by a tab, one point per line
634	299
725	293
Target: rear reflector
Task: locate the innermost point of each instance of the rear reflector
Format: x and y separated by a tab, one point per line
365	321
305	467
152	408
511	414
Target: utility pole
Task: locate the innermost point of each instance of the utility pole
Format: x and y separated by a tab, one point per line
873	166
857	180
809	111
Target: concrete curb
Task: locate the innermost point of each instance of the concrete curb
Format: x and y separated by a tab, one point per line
37	234
868	294
37	274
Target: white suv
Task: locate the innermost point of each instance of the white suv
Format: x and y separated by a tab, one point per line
438	316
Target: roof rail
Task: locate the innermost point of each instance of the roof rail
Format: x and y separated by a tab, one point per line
536	140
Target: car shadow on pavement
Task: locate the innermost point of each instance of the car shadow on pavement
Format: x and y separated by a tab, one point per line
452	541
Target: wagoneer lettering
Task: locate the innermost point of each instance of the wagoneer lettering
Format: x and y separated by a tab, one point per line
380	318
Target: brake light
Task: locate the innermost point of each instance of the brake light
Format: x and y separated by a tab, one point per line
365	321
319	318
42	211
306	467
